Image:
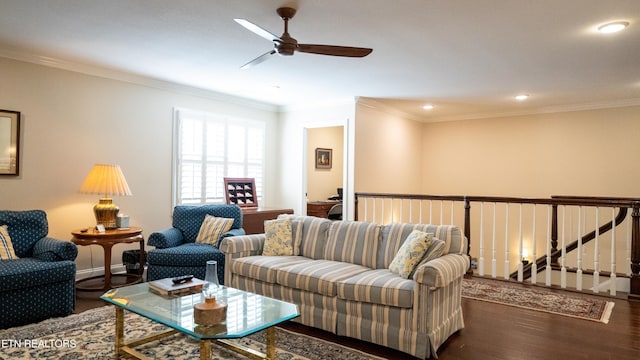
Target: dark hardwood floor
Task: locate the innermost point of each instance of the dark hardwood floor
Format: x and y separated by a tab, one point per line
494	331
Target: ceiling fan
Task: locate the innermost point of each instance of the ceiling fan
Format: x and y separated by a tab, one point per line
285	45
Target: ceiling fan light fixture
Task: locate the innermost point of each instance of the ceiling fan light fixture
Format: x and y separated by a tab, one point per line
521	97
428	107
613	27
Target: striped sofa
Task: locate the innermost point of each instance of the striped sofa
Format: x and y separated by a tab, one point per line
339	278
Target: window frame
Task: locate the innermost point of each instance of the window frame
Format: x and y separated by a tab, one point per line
179	115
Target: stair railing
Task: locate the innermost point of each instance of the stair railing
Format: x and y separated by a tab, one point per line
533	226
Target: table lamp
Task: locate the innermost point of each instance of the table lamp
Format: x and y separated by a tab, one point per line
106	180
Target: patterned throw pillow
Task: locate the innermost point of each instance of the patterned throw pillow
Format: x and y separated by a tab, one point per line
410	253
212	229
278	238
6	247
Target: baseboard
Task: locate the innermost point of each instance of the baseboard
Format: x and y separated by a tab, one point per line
87	273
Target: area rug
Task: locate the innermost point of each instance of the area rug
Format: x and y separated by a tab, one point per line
90	335
501	292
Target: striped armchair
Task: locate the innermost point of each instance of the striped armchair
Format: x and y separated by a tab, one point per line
339	277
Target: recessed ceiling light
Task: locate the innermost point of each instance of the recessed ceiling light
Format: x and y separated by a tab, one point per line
521	97
613	27
428	107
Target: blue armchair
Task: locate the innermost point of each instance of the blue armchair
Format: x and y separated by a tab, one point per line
176	252
40	284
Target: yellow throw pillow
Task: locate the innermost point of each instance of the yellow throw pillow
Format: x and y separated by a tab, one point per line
410	253
278	238
6	247
212	229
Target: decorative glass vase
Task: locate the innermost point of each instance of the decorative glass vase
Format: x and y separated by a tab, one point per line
211	284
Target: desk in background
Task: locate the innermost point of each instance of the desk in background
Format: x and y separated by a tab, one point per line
253	218
321	208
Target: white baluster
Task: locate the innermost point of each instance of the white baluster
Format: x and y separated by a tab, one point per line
494	261
520	246
420	220
563	269
441	210
481	247
506	244
579	271
373	210
430	211
612	277
596	254
548	241
452	204
534	255
410	210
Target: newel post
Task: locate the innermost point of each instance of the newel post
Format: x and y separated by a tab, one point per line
634	291
467	229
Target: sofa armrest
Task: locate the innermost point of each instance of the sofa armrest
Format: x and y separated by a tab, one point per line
442	271
167	238
244	244
232	232
50	249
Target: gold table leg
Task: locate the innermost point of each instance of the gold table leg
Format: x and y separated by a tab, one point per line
119	330
271	343
205	350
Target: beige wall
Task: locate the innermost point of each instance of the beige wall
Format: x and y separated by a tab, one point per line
71	121
322	183
388	152
590	153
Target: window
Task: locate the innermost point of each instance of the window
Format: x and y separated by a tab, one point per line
208	148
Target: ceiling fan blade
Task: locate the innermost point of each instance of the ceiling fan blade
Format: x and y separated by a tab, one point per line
257	30
260	59
334	50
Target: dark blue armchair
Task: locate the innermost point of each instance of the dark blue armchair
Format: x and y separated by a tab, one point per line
176	252
40	284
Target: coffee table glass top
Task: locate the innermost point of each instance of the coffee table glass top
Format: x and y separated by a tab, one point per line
247	313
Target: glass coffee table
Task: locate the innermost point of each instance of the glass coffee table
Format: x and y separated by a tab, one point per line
247	313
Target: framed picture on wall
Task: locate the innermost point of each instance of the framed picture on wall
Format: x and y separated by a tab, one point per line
323	158
9	142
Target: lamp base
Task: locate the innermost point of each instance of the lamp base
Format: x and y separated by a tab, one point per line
106	213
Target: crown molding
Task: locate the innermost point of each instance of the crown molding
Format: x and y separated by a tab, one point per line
119	75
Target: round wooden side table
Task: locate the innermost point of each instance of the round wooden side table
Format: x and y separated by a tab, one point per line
107	240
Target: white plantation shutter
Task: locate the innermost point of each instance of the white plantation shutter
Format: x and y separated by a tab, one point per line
210	147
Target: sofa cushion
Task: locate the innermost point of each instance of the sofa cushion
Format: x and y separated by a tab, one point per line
319	276
212	228
435	250
278	238
29	272
310	235
264	268
191	254
410	253
394	235
354	242
378	287
6	247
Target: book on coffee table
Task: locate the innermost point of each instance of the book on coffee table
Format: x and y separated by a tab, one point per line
166	287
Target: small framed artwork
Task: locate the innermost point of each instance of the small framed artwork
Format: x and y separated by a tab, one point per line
323	158
9	142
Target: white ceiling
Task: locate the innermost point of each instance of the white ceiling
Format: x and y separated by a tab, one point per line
466	57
